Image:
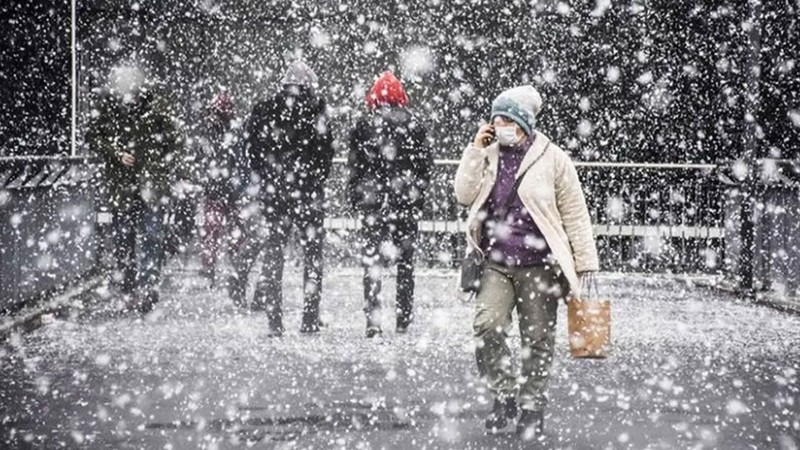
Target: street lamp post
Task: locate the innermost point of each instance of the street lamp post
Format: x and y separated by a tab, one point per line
73	78
749	186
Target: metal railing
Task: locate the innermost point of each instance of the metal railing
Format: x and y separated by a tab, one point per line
47	225
647	217
762	221
26	172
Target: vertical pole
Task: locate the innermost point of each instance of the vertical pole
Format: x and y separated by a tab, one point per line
74	78
747	262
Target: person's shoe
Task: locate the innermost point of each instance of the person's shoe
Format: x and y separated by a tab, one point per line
402	326
374	323
236	291
128	303
140	303
310	327
147	303
209	273
373	331
530	425
275	330
502	411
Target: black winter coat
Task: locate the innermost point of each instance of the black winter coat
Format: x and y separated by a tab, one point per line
289	146
219	155
390	163
146	130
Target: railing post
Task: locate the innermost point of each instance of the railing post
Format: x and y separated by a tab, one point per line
748	230
747	238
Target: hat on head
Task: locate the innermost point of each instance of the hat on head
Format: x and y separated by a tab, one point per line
300	74
222	106
521	104
387	91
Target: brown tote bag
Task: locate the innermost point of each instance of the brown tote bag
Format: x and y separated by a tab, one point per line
589	324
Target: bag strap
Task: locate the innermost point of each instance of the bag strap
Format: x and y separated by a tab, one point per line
518	182
592	287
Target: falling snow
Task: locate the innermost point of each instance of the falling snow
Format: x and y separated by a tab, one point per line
144	302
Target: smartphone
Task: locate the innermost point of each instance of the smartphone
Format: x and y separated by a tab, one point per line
493	138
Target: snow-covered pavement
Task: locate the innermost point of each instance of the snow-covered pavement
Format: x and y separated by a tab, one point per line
690	369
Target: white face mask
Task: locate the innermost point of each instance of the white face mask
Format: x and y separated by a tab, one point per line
506	135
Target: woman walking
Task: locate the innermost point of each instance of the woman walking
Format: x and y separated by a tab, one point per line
528	218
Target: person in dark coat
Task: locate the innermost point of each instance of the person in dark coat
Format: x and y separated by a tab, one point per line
290	151
390	163
132	130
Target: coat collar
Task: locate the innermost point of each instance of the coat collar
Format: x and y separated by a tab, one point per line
536	149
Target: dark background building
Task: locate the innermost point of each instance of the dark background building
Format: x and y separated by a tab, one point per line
34	77
639	80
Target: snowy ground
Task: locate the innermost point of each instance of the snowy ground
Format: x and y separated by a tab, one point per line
691	369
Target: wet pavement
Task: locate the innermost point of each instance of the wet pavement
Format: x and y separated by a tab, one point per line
691	369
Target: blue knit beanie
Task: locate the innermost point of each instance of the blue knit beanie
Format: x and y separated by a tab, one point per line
520	104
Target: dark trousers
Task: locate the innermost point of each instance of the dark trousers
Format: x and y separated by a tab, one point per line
272	240
138	272
182	231
390	239
221	222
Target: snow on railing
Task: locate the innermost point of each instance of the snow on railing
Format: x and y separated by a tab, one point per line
647	216
18	172
47	224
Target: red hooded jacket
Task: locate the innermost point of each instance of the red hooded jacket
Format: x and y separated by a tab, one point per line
387	91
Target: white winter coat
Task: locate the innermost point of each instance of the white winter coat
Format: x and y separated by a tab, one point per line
550	191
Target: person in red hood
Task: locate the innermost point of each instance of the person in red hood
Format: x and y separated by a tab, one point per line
387	91
390	163
219	153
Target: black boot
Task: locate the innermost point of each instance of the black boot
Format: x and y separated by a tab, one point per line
147	302
275	328
402	325
275	320
309	328
310	324
210	274
530	425
236	291
502	411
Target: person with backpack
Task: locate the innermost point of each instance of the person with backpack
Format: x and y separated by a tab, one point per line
390	162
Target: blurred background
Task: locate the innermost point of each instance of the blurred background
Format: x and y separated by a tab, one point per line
623	80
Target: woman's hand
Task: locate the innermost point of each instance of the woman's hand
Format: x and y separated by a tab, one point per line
126	158
484	136
586	280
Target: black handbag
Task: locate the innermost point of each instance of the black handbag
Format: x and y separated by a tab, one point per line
472	264
471	271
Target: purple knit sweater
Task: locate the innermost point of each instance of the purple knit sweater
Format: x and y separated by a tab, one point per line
514	240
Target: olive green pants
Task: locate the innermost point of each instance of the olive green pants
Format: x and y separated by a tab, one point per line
535	293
